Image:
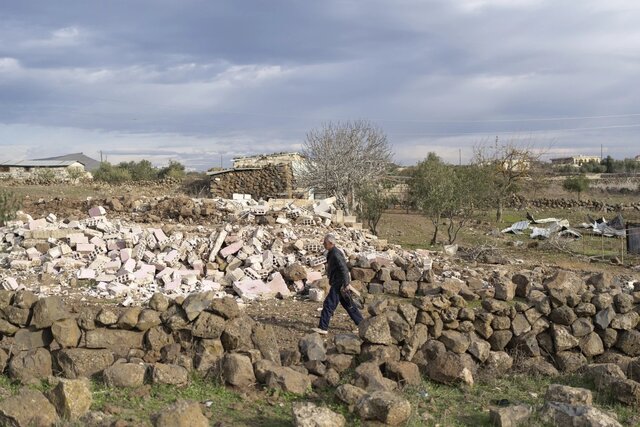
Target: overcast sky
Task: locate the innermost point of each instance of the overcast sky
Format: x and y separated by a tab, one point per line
200	81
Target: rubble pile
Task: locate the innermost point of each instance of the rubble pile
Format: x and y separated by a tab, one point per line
261	251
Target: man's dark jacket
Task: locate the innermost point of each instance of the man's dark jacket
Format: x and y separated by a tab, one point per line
337	270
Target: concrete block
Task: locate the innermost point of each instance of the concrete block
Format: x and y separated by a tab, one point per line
86	273
10	284
231	249
278	285
37	224
51	218
55	252
253	289
85	248
33	253
97	211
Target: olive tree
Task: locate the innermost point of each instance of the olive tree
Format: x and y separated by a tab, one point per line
576	184
340	158
447	194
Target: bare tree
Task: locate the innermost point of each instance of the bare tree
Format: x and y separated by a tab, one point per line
508	166
340	158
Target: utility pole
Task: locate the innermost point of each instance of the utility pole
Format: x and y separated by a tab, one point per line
601	153
100	156
459	156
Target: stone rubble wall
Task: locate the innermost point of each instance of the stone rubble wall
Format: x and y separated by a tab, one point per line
521	202
270	181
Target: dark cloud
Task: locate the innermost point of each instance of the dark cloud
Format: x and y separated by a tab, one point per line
195	80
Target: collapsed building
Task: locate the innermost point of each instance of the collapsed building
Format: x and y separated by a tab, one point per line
262	177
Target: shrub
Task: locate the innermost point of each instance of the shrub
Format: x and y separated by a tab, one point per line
44	176
576	184
111	174
9	205
175	170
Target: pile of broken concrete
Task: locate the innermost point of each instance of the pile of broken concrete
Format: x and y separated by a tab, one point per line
267	251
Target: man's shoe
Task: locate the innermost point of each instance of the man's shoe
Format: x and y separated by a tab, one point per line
320	331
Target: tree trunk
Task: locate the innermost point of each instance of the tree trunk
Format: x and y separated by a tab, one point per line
434	239
499	211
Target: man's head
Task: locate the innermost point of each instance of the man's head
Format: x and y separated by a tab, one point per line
329	241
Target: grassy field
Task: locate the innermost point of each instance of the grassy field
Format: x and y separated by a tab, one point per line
432	404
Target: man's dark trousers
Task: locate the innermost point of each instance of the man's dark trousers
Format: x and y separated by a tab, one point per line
330	304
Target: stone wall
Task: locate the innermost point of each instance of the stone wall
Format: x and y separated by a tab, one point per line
264	183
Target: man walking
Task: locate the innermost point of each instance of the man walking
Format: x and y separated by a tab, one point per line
338	274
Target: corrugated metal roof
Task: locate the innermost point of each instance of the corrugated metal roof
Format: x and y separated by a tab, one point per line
212	173
38	163
89	163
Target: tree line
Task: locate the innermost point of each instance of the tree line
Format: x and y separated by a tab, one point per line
137	171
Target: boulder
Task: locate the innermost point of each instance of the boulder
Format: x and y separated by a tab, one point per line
294	272
237	370
287	379
225	307
376	330
455	341
312	347
237	334
347	343
157	337
30	365
349	394
30	338
264	339
404	373
82	362
511	416
72	398
106	317
125	375
629	342
570	395
563	414
208	325
66	332
386	407
171	374
208	354
116	340
27	409
505	290
148	319
181	414
626	391
129	318
48	310
159	302
195	303
307	414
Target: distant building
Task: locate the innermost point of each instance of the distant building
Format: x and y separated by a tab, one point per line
29	169
90	165
637	158
575	161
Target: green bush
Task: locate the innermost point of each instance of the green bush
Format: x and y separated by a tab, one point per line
576	184
174	170
111	174
9	205
44	176
140	171
75	174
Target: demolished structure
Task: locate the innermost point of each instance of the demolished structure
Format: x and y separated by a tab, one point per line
263	251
